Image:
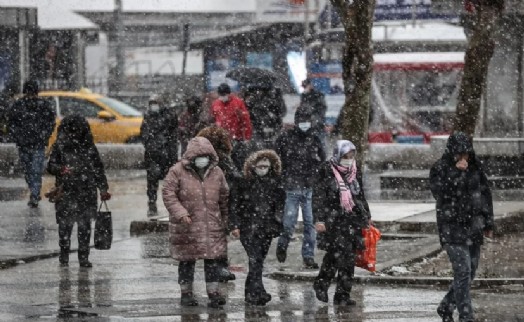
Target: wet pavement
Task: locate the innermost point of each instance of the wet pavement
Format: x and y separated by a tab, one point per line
136	279
127	284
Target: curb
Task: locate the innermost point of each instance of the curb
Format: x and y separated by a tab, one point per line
138	227
393	280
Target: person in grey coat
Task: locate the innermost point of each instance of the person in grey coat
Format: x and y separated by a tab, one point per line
464	216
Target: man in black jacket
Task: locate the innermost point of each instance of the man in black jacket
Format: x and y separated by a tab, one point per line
301	153
159	136
464	217
315	102
31	123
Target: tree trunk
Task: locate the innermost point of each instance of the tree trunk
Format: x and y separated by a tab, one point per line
481	46
357	64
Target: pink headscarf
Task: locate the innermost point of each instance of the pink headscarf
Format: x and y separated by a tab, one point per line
341	173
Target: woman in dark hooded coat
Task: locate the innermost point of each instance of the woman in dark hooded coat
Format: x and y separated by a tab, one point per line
257	207
464	215
341	211
79	172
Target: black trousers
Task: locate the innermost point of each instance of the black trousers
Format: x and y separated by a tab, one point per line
186	271
256	248
65	228
337	262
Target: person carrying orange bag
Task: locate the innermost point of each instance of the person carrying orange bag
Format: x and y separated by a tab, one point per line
367	258
341	212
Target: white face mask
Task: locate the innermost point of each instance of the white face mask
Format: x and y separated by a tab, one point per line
224	98
304	126
261	172
201	162
346	162
154	107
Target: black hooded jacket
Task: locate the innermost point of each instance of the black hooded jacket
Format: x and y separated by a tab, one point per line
31	122
159	136
464	201
302	154
257	204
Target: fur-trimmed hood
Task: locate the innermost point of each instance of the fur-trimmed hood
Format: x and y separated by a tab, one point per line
251	161
218	137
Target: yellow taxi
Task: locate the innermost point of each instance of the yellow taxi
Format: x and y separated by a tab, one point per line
111	121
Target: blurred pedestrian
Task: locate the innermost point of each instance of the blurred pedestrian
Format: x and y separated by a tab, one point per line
31	123
266	109
341	211
196	195
192	120
314	101
257	208
229	112
159	136
302	154
219	139
79	172
464	217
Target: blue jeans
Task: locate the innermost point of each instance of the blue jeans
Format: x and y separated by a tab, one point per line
32	161
465	261
294	199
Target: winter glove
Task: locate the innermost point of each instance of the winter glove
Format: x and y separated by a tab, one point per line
104	196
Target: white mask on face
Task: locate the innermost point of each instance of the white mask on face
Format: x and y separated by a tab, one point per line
304	126
262	168
201	162
346	162
154	107
224	98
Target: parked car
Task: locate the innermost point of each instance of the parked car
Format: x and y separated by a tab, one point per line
111	120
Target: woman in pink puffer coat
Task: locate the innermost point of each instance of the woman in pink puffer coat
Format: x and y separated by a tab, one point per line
196	195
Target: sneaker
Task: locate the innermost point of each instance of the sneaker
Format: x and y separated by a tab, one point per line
309	263
33	202
445	315
281	254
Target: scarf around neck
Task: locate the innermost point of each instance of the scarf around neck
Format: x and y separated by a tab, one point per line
349	174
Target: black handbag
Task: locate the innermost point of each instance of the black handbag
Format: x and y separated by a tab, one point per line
103	228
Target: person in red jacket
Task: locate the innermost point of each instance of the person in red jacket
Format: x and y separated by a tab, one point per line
230	113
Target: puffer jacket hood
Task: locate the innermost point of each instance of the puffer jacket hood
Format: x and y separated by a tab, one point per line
458	143
199	146
276	164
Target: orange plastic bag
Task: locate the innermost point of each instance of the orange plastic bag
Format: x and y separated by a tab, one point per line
367	259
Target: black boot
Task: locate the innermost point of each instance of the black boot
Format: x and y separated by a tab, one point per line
281	253
321	291
83	258
63	258
152	209
187	299
445	315
216	300
343	299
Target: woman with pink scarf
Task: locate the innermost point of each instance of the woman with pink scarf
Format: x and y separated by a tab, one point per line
341	211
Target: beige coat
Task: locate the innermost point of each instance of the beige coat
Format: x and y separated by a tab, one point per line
205	200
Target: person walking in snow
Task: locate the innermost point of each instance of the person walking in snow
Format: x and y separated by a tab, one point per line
341	211
159	136
31	123
196	195
257	208
464	216
302	154
79	172
229	112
